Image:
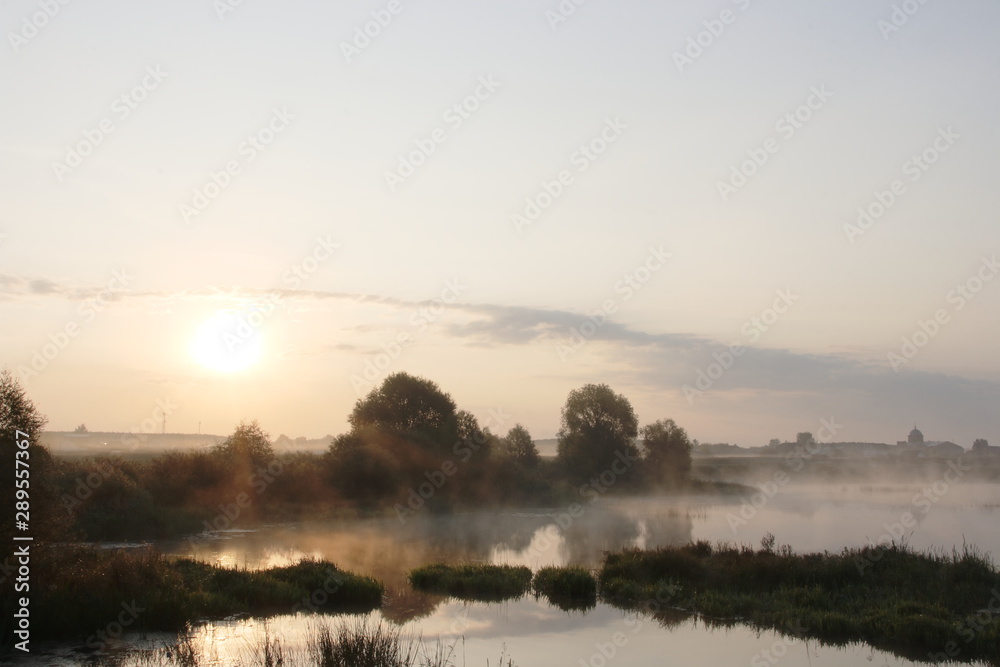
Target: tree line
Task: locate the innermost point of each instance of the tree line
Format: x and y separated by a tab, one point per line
408	448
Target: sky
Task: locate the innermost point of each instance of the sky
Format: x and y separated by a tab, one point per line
754	218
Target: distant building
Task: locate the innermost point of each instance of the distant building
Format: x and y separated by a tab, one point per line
915	441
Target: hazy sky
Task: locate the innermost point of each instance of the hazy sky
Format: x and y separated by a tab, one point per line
233	208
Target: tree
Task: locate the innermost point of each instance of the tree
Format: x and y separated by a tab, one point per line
82	428
598	426
980	446
805	439
20	421
518	446
469	433
248	443
407	405
774	442
666	451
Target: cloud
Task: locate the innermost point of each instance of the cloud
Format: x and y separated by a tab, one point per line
760	380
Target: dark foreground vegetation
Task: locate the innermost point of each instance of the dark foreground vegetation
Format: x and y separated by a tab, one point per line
919	605
141	589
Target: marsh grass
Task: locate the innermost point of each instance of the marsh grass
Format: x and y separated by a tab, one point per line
568	588
485	583
86	590
891	597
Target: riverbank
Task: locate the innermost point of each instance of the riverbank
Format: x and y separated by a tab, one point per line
85	592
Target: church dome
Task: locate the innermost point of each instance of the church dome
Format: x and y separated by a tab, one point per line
915	436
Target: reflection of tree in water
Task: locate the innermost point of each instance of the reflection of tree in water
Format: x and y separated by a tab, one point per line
604	528
669	528
598	529
473	536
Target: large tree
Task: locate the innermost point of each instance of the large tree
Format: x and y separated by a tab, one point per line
598	426
666	451
408	406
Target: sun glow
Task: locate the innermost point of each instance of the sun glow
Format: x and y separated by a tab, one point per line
227	343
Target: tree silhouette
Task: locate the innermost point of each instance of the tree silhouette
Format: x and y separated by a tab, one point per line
248	443
409	406
598	425
519	447
666	451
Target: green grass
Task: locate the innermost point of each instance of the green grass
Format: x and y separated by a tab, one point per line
487	583
87	589
569	588
892	598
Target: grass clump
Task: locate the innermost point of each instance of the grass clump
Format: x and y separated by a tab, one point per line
569	588
890	597
487	583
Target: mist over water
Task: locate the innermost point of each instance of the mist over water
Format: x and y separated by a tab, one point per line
808	517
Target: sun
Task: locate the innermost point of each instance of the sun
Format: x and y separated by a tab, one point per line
227	342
